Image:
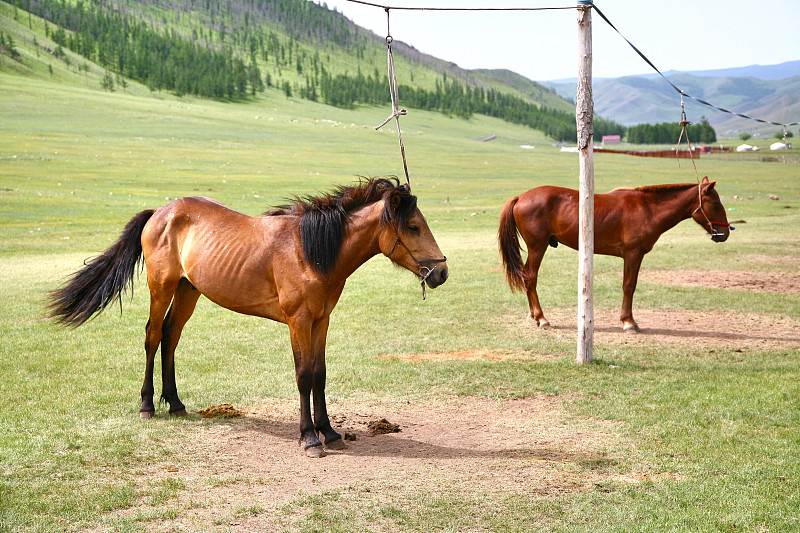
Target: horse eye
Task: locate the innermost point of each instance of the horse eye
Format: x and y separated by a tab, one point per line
413	228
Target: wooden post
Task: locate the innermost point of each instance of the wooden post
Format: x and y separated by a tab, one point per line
584	114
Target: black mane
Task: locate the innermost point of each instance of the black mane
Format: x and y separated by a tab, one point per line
322	218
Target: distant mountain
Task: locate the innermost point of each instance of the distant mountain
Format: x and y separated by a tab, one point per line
761	72
649	99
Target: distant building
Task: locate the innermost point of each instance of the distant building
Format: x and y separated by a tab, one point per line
611	139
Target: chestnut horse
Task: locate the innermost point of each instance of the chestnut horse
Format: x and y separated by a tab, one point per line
289	265
627	223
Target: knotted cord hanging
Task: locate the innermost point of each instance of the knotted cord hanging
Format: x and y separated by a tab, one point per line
685	131
396	111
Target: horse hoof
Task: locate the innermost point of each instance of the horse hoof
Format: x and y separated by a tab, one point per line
146	415
632	330
337	444
315	452
544	324
180	413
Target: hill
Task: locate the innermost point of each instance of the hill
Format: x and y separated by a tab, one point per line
648	99
235	50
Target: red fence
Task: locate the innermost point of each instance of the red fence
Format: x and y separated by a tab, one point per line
680	154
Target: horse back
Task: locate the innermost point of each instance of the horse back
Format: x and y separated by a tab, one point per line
549	212
226	255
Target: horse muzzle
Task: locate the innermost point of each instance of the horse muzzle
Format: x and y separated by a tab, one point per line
720	237
437	276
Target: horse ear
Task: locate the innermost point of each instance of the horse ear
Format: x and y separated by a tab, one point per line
705	180
394	201
708	186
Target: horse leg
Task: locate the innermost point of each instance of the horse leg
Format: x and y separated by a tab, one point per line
632	263
160	297
183	305
300	333
322	423
532	264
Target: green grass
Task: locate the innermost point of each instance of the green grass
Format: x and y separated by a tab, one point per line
76	164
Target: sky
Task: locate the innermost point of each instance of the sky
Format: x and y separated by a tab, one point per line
681	35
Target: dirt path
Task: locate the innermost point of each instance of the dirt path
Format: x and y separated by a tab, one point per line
688	328
782	282
511	447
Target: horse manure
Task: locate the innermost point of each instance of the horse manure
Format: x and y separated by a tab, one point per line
350	436
382	427
223	410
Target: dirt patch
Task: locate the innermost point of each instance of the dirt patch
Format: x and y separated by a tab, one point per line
773	260
703	329
720	279
455	446
468	355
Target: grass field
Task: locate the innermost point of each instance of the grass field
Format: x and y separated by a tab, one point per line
655	435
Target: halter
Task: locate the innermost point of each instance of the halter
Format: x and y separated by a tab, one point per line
711	223
424	271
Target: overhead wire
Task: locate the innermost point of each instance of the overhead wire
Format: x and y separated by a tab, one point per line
585	3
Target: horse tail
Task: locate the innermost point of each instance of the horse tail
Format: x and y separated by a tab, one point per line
508	237
102	279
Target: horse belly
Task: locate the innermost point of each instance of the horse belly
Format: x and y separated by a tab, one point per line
606	237
233	277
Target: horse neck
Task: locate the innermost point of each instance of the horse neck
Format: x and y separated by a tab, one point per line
360	239
674	206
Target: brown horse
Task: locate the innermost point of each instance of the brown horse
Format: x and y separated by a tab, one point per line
289	265
627	223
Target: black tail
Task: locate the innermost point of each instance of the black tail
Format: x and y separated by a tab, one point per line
510	248
102	279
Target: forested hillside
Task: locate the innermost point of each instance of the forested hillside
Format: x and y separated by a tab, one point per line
235	49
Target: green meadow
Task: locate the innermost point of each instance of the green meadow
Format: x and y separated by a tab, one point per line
76	164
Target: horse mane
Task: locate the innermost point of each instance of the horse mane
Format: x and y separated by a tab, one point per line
323	217
671	187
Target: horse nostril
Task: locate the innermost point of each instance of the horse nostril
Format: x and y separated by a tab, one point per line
444	275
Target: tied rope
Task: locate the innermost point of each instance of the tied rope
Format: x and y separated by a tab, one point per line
685	130
396	111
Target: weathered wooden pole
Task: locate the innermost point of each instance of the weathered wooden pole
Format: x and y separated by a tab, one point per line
584	114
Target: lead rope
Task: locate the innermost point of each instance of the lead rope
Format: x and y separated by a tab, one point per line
396	111
424	271
685	130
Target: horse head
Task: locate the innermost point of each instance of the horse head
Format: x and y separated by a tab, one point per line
407	240
710	212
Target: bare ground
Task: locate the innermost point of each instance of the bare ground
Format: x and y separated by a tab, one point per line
701	329
782	282
245	470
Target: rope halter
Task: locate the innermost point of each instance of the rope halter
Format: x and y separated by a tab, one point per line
424	271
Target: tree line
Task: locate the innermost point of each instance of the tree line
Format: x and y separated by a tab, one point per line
670	132
162	60
451	98
8	47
